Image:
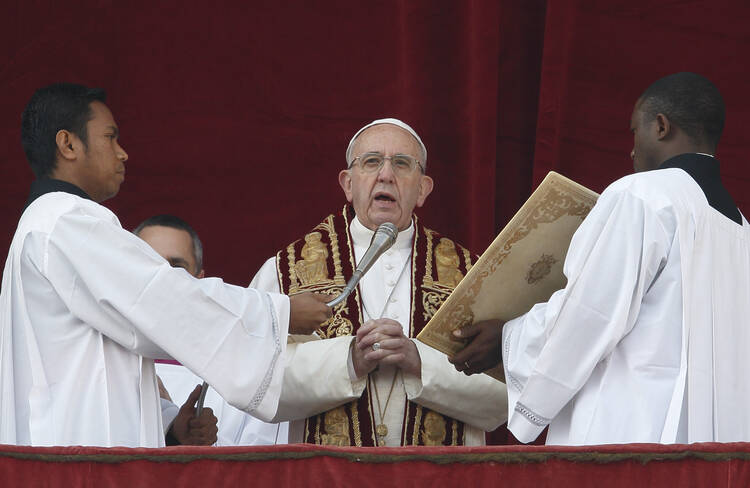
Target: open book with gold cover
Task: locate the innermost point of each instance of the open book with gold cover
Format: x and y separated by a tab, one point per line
522	267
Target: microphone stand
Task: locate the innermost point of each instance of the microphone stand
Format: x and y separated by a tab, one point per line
382	240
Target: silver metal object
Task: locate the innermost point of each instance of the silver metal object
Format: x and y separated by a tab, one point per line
376	346
201	400
382	240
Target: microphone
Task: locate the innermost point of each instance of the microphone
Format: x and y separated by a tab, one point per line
382	240
201	400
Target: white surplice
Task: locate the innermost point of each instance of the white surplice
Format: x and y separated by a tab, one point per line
319	374
650	339
84	309
236	428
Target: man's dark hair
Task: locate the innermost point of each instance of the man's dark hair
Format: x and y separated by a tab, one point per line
51	109
691	102
175	223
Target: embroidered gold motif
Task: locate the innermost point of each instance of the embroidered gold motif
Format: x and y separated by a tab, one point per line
428	279
414	255
431	301
467	258
328	226
337	428
540	269
312	268
293	283
446	259
336	326
454	436
355	423
433	432
417	422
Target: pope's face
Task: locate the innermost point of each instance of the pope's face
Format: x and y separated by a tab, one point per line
381	196
101	169
174	245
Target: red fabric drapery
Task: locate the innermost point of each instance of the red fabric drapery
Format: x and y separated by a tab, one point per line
716	465
237	117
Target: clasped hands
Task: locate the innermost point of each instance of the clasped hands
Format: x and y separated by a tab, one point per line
393	348
483	351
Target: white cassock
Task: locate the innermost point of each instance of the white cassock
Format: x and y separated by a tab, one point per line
236	428
320	376
86	305
650	339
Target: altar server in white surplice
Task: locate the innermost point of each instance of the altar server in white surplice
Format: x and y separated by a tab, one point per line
86	306
650	339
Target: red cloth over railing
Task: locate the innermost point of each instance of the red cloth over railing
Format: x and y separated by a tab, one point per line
716	465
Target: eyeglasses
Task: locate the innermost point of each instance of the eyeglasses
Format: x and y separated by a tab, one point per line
402	164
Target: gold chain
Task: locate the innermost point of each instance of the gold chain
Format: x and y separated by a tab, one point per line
374	387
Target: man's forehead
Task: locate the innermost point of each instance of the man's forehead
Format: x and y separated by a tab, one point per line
164	234
101	114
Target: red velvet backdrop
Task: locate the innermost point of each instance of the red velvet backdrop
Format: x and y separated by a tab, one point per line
237	117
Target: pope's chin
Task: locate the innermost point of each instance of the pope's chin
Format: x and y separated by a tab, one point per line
381	216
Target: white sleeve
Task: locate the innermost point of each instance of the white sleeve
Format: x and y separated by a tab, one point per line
267	278
317	372
169	412
114	282
550	352
316	378
478	400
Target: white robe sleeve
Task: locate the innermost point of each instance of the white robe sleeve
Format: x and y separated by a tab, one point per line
169	412
311	386
550	352
114	282
478	400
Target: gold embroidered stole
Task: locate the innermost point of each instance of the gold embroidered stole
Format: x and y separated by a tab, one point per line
319	263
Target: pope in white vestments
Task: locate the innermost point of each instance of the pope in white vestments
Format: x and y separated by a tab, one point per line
327	396
386	286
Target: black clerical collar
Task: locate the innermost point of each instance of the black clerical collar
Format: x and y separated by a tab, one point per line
48	185
704	169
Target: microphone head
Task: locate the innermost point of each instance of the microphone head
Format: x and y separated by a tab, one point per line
387	232
382	240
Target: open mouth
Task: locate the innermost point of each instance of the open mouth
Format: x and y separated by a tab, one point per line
384	197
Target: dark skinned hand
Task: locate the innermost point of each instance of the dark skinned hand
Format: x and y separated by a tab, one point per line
483	352
191	431
307	311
